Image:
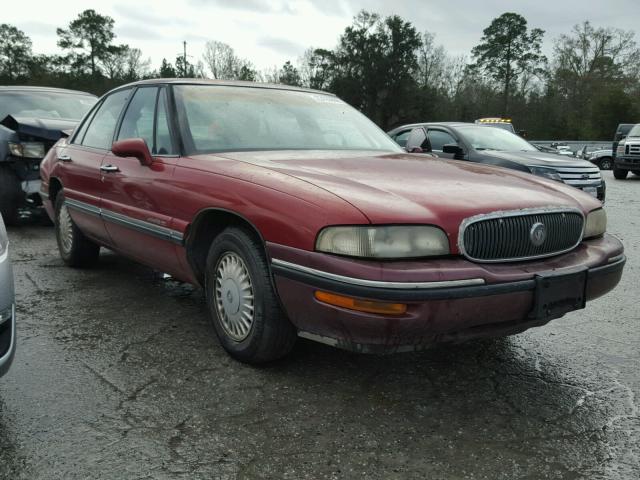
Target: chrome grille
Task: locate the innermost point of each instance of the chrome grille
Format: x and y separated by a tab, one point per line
580	176
632	149
507	236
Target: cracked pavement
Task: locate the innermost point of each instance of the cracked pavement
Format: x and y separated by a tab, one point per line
118	374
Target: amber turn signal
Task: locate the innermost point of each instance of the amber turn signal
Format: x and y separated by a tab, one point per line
361	305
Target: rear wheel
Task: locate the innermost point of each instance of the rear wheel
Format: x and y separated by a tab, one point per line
620	173
11	195
75	248
605	163
242	301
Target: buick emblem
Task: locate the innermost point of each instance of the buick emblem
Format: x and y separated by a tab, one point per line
538	234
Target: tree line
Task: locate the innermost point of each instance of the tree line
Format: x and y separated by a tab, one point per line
388	69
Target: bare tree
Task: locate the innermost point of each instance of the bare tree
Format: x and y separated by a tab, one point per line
224	64
590	51
432	63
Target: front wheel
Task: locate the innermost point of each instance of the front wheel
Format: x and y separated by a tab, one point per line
620	173
242	301
75	248
605	163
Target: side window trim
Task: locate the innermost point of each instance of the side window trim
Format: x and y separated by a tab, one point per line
164	89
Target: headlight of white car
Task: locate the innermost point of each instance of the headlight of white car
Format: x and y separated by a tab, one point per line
4	240
410	241
596	224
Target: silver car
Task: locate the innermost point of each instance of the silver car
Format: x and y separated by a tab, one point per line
7	304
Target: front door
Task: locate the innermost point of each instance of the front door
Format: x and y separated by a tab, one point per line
80	163
136	205
438	138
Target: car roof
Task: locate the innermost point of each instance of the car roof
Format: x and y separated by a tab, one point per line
436	124
226	83
29	88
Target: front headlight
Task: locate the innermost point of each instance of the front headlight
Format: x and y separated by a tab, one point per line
27	149
384	242
4	239
596	224
546	173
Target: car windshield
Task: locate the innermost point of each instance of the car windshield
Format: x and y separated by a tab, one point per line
51	105
486	138
217	118
635	131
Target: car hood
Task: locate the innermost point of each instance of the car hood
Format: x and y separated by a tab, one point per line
540	159
410	188
46	129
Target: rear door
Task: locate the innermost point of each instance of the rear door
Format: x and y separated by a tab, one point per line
80	161
137	203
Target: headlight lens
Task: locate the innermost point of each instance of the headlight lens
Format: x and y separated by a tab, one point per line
4	239
596	224
384	242
546	173
27	149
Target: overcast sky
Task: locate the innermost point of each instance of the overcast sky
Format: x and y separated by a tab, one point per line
269	32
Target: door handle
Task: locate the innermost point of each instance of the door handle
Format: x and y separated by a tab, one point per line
64	157
109	168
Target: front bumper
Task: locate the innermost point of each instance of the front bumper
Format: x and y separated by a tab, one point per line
448	300
7	314
627	163
7	339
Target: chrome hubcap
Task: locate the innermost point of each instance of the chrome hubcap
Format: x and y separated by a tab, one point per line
65	229
234	296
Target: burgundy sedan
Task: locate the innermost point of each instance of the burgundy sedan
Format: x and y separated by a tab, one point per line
299	217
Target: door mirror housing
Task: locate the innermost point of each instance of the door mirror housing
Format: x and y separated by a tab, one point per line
133	147
453	149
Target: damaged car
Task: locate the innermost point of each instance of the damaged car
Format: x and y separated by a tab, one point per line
299	217
32	119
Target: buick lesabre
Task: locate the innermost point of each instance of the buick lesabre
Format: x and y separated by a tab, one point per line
300	218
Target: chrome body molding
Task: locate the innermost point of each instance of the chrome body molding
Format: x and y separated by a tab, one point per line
516	213
149	228
379	283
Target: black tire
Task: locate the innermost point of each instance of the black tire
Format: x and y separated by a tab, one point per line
270	335
620	173
605	163
11	195
77	251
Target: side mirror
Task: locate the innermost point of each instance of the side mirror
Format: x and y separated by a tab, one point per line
454	149
133	147
522	133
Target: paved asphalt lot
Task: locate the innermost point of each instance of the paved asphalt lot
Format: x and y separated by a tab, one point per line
118	375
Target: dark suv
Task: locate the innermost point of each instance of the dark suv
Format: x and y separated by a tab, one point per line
494	146
32	119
